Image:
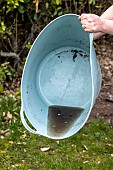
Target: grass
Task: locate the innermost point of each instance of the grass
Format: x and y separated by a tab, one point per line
90	149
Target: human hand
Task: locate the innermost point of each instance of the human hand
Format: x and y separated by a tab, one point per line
92	23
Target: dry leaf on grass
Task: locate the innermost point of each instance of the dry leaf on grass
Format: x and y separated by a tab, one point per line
85	147
3	132
44	149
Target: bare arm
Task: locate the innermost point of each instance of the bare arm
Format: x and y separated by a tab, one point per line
108	14
98	25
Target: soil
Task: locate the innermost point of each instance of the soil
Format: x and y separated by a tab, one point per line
103	106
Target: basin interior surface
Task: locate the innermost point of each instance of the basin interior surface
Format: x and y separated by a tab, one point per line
64	77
